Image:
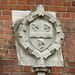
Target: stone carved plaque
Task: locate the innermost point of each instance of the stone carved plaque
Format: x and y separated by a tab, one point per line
38	38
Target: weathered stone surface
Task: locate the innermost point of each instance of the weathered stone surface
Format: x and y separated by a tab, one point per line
46	53
39	38
36	53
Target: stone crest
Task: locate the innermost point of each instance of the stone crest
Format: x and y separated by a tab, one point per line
39	34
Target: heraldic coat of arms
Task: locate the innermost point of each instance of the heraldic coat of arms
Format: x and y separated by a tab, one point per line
40	35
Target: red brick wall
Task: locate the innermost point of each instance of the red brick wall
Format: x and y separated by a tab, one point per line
65	13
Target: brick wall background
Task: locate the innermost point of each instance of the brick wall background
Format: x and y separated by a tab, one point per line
65	10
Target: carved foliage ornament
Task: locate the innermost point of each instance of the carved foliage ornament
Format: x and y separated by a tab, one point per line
39	33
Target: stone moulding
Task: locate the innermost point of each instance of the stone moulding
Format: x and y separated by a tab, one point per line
21	35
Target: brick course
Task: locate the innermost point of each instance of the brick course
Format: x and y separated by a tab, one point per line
65	12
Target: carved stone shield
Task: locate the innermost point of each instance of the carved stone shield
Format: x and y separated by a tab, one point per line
41	33
38	38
